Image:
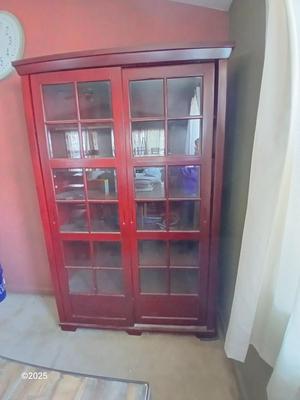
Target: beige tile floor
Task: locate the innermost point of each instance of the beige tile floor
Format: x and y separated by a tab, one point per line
178	367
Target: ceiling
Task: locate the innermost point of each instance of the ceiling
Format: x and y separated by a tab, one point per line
217	4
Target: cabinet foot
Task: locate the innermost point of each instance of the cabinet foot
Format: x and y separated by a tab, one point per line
134	332
68	328
207	336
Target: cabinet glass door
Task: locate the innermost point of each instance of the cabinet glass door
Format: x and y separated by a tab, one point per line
80	140
169	118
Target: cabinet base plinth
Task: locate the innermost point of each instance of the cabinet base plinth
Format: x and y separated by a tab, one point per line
201	332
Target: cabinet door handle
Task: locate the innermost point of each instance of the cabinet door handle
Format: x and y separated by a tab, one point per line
132	218
123	219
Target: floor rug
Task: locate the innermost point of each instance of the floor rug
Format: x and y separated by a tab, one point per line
20	381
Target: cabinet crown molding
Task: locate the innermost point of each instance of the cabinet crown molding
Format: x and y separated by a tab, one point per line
131	56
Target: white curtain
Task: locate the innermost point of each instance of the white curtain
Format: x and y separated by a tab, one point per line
193	129
148	141
266	306
72	143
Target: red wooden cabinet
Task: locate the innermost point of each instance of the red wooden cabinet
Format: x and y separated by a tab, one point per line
127	147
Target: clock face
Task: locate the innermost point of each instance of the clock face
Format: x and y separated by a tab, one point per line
11	42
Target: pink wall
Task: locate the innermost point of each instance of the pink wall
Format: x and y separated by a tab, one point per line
54	26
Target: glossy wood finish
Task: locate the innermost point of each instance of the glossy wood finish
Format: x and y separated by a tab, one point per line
39	181
219	138
192	52
134	311
172	309
107	309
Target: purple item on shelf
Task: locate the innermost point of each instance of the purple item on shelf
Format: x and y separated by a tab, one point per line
190	181
2	286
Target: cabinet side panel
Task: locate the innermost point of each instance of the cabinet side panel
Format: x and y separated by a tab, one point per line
39	182
219	137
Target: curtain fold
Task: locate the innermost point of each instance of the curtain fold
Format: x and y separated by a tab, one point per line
193	129
72	143
266	306
148	141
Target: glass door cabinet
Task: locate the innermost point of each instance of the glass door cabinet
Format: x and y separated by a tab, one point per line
127	149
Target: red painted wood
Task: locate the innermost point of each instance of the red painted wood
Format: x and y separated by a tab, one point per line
112	57
219	138
39	181
137	329
106	308
114	76
145	305
182	313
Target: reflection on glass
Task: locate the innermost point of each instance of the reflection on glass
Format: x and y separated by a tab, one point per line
94	100
63	141
149	182
109	281
59	102
184	253
151	215
184	215
148	138
152	252
68	184
107	254
184	181
104	217
98	141
80	281
101	183
153	280
184	137
184	96
146	98
72	217
184	281
77	253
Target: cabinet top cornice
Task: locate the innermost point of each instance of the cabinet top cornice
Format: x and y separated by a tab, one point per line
134	56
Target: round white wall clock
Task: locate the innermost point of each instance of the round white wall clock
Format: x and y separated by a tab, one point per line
11	42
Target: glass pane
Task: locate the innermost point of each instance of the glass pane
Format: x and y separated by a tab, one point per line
148	138
94	100
68	184
80	281
151	215
72	217
184	96
149	182
184	215
104	217
110	281
59	102
98	141
184	137
63	141
152	252
147	98
184	253
184	181
184	281
153	280
77	254
101	183
108	254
